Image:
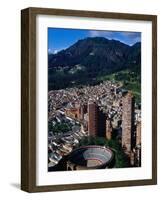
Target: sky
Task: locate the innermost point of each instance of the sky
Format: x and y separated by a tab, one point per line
60	38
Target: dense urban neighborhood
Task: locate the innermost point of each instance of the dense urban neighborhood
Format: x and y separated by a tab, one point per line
104	114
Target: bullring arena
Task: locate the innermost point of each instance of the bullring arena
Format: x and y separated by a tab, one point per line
90	157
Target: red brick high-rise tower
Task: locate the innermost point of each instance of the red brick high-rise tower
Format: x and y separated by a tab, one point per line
128	122
93	115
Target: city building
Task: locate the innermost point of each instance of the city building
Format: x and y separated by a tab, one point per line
72	112
138	156
109	129
101	124
138	133
138	145
93	114
132	158
96	120
83	111
128	122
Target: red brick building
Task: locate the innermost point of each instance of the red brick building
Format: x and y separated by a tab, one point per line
93	114
128	122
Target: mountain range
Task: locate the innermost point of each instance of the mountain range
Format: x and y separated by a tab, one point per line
90	58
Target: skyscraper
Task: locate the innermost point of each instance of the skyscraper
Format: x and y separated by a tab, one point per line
93	113
128	122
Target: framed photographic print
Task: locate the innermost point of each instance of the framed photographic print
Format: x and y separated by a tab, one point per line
89	99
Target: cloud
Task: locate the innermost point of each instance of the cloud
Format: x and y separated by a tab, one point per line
129	38
134	36
100	33
52	51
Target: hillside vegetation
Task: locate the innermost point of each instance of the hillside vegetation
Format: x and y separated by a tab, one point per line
93	60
